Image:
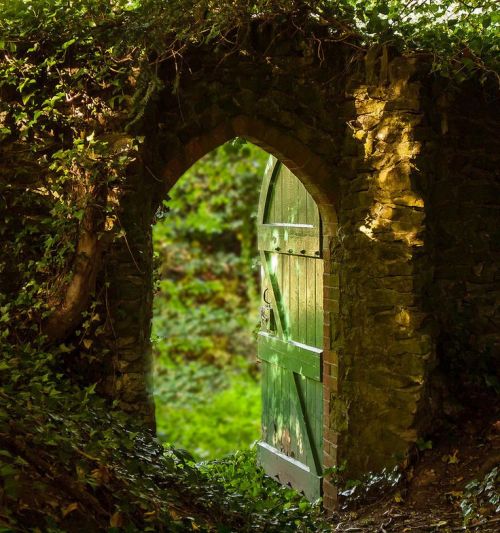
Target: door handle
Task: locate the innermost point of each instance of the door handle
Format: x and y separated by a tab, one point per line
264	296
267	321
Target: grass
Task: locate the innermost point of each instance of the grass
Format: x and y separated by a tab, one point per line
207	410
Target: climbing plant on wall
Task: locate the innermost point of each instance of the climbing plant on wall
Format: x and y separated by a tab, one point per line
70	82
76	78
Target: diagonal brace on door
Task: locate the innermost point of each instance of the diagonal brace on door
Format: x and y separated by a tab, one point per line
305	426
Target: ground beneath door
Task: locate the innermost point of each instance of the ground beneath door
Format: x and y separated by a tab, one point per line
466	448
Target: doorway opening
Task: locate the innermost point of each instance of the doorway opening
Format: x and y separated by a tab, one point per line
209	396
207	381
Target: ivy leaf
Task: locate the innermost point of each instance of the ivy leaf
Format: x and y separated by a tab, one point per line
26	82
87	343
67	44
63	348
27	97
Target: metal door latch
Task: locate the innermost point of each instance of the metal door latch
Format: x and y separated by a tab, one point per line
267	322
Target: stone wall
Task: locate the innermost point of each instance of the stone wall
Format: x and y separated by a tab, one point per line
128	270
383	346
366	135
463	177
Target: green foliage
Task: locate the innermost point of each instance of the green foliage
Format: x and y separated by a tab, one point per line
481	498
67	459
72	74
283	508
423	444
217	195
59	79
70	461
69	81
208	411
462	36
205	307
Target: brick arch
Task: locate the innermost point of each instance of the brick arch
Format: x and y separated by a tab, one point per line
351	143
324	187
310	168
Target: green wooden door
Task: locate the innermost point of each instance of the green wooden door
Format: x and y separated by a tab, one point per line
291	335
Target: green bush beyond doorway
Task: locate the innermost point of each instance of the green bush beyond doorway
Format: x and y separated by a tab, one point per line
207	385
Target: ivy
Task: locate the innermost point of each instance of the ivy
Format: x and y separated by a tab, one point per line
69	80
480	497
73	73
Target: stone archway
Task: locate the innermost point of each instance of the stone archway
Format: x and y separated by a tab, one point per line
404	167
360	132
352	146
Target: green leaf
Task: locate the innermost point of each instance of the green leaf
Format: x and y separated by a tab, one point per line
67	44
64	348
27	97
